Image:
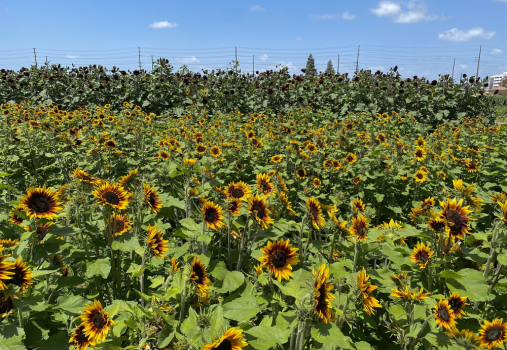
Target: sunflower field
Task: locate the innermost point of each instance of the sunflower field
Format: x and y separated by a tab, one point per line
122	228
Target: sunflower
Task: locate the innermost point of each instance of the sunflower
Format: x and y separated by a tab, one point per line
156	241
238	191
421	255
164	155
15	218
420	154
198	275
444	315
420	142
455	216
358	205
369	303
212	215
362	281
231	340
465	338
80	340
110	144
428	203
6	305
323	296
215	151
239	166
40	203
436	224
234	207
420	176
6	269
174	264
494	333
358	228
315	211
201	149
351	158
457	303
125	180
356	180
113	195
259	208
311	148
151	198
264	183
96	322
317	182
278	258
504	210
276	159
400	279
9	242
442	175
117	225
22	276
408	295
301	173
85	177
471	165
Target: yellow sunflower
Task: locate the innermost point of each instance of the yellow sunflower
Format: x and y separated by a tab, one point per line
465	338
151	198
420	176
323	296
231	340
113	195
315	211
301	173
6	269
156	241
444	315
79	339
436	224
455	216
96	322
22	276
420	154
351	158
457	303
356	180
369	303
174	264
358	205
201	149
15	218
421	254
212	215
358	229
215	151
234	207
362	282
41	203
504	210
259	209
238	191
278	258
117	224
316	182
264	183
198	275
494	333
276	159
85	177
125	180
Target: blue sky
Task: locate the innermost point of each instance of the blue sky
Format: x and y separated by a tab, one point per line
421	37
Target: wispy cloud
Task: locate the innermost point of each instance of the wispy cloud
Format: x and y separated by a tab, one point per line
346	15
257	8
499	0
187	60
456	34
497	51
405	12
298	38
71	56
264	57
163	24
463	66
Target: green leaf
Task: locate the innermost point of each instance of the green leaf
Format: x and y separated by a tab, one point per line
241	309
190	224
472	285
62	230
450	274
272	335
232	281
502	258
73	304
59	341
100	267
126	243
393	255
379	197
330	335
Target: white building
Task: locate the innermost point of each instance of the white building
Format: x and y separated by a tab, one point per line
495	80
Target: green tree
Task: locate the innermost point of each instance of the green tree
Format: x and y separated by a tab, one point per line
329	68
310	66
503	83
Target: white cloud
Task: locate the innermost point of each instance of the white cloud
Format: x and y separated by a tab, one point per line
187	60
298	38
257	8
497	51
264	58
376	68
289	65
345	15
416	11
463	66
163	24
456	34
71	56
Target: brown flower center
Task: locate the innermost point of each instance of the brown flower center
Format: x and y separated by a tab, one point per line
301	173
233	206
39	205
237	193
444	314
423	257
455	304
210	215
455	218
419	153
438	226
86	178
81	337
493	334
98	320
120	225
199	273
278	259
259	209
314	212
224	345
361	231
152	199
201	149
111	198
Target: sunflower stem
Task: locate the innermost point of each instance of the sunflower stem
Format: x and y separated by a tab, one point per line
242	244
491	250
20	317
141	278
412	344
229	241
331	251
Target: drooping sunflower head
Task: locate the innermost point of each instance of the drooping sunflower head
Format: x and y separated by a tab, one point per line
112	195
264	184
444	315
421	254
85	177
238	191
359	226
301	173
278	258
465	339
212	215
198	275
315	212
231	340
79	339
322	295
455	216
358	205
117	224
259	208
156	242
126	180
369	303
41	203
96	322
457	303
494	333
234	207
401	279
151	198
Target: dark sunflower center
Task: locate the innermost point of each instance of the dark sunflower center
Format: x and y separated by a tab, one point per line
423	257
17	278
120	225
200	149
237	193
264	186
493	334
349	158
5	304
233	206
419	175
444	315
98	320
111	198
455	304
224	345
41	231
418	154
40	205
301	173
361	230
322	295
209	216
311	148
215	151
151	199
198	271
381	138
86	178
455	218
314	213
438	226
82	338
259	210
278	259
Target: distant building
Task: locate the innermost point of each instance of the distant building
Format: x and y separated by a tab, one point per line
495	80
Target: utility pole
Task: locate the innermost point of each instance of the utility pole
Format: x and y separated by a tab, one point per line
253	65
139	50
35	55
478	63
46	59
151	62
453	68
357	61
236	58
338	66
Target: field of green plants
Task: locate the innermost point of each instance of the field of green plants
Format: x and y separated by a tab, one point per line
223	211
